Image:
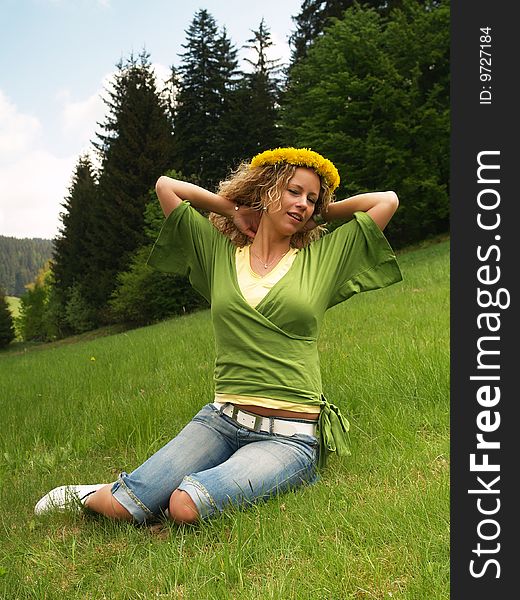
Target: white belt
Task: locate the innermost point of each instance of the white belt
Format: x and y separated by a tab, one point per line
287	427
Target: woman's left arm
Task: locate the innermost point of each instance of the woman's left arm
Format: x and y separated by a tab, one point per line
381	207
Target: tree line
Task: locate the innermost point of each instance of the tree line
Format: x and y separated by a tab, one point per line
367	86
21	260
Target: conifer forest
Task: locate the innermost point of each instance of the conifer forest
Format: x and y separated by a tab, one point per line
367	86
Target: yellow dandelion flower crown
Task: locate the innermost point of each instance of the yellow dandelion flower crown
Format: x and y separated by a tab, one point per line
300	157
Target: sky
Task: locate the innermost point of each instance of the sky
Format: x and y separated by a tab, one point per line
56	59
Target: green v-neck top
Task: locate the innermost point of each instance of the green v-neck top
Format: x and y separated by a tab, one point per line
271	350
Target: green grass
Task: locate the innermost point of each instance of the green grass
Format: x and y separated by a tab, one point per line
375	526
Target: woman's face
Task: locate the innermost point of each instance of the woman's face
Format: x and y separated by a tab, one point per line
297	203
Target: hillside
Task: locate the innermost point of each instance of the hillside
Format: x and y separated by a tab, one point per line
20	261
378	520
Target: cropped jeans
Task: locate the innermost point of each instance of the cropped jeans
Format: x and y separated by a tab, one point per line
218	463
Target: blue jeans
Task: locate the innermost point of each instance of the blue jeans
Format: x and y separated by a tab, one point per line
218	463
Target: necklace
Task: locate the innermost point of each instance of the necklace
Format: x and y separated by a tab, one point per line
267	265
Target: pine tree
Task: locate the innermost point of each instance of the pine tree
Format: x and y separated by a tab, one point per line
206	78
255	101
135	148
7	334
71	258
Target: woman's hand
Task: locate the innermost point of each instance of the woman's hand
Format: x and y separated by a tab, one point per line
310	225
247	219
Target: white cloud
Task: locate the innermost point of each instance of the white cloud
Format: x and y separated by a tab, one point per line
17	131
31	192
79	117
33	182
162	74
279	50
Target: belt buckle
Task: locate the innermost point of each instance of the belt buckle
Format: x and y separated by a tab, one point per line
258	423
256	420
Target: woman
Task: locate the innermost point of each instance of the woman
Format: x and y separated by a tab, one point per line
270	276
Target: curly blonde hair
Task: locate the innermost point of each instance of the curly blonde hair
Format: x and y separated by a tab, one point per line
262	188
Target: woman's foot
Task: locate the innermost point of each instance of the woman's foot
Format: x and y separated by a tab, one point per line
65	498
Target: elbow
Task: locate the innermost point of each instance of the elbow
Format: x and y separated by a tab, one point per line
160	183
392	200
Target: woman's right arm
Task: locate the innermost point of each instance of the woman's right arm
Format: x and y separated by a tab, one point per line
171	192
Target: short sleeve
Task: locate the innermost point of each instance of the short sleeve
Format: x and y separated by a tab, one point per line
186	246
356	257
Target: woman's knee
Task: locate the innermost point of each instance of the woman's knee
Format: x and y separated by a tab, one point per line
182	509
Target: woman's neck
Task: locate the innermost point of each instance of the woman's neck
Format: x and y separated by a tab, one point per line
268	244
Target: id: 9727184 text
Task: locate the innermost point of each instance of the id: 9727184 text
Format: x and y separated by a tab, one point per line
485	65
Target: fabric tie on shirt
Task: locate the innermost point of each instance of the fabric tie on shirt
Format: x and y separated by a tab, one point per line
333	430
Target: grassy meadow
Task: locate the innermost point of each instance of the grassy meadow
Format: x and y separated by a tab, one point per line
376	526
